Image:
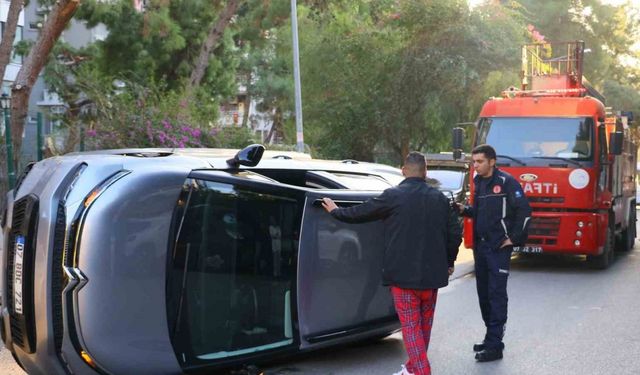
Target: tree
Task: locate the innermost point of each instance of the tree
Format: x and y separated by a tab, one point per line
609	32
214	36
386	75
6	47
32	65
9	33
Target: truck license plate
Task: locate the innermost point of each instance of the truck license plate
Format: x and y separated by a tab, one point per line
528	249
18	274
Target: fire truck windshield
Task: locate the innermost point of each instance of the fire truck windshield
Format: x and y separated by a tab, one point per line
547	139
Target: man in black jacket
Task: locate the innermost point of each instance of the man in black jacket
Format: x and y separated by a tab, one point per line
501	214
422	236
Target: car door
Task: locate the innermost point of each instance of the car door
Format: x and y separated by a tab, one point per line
340	290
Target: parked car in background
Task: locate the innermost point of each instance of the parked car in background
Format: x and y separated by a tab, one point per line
155	261
449	175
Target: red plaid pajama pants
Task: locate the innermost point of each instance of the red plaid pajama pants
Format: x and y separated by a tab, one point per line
415	309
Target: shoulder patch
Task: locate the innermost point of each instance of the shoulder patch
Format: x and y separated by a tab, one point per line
518	194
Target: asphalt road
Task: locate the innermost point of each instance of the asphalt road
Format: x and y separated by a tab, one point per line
564	318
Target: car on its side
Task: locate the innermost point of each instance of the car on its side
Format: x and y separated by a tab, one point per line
156	261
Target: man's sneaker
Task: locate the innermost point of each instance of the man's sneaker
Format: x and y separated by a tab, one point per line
478	347
403	371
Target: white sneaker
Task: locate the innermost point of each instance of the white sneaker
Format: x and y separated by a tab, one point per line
403	371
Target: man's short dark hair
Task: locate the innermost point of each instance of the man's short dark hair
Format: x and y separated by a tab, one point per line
488	151
415	160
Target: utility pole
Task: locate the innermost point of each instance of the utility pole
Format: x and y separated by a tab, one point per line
296	76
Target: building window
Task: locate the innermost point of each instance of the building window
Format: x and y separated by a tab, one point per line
15	58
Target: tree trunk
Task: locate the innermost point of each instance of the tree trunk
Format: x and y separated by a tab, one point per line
213	39
56	22
9	34
404	151
245	114
6	47
275	127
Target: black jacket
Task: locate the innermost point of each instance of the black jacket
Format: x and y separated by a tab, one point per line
500	210
422	233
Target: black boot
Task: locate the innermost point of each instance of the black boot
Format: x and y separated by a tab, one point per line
478	347
488	355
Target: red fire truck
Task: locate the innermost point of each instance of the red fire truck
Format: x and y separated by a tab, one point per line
574	157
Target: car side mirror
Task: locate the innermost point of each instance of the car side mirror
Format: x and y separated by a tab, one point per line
249	156
458	138
615	143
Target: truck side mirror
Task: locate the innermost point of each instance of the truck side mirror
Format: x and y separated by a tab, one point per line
458	137
615	143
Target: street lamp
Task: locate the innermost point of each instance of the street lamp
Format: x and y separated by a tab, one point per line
5	103
296	77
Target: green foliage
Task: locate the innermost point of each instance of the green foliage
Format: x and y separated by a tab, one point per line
399	74
379	77
153	117
622	97
160	43
608	31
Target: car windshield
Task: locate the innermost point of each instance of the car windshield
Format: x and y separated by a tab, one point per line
445	179
520	138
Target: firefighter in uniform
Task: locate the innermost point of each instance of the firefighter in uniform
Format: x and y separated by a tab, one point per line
500	215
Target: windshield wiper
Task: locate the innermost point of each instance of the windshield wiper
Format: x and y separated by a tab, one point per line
558	158
511	158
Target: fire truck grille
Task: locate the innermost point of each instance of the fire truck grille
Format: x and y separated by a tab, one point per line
544	226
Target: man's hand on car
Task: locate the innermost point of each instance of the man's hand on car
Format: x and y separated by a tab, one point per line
328	204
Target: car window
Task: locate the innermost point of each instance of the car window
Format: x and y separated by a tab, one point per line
445	179
254	176
392	177
232	270
356	181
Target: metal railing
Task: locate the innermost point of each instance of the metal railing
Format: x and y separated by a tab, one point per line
545	59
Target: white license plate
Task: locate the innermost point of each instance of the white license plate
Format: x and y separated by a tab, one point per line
18	273
528	249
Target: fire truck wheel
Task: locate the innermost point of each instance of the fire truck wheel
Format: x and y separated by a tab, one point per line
603	260
628	236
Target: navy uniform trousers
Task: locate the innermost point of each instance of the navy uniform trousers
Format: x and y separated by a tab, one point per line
492	272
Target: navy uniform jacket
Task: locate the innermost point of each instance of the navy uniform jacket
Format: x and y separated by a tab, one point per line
422	233
500	210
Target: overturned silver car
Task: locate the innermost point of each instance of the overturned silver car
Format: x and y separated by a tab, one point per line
180	261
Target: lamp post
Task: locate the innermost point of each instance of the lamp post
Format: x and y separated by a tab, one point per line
5	103
296	77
